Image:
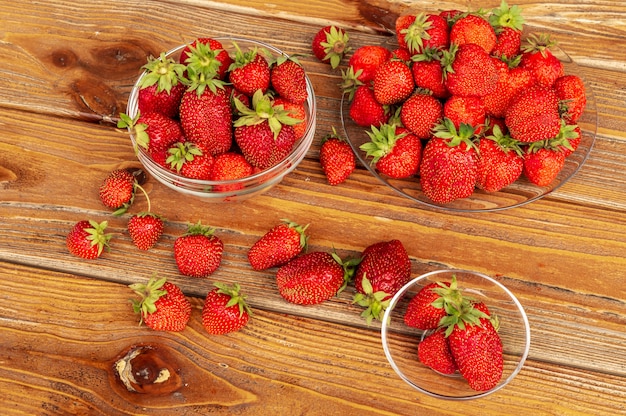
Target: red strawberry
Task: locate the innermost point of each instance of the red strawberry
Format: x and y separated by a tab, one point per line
296	111
424	311
417	32
393	82
364	62
87	239
570	90
395	151
533	114
508	24
288	79
469	70
163	306
510	82
117	190
448	170
473	29
384	268
191	160
434	352
145	229
538	58
330	44
313	277
161	89
469	110
336	158
230	166
500	161
250	71
198	252
508	44
207	56
428	72
542	165
225	309
420	113
279	245
154	132
365	110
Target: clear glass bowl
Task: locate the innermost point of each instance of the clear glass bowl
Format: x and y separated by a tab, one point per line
400	341
247	187
517	194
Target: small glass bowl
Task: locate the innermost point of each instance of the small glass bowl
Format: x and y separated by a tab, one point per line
238	189
400	341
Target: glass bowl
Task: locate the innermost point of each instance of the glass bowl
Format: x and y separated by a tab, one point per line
400	341
517	194
238	189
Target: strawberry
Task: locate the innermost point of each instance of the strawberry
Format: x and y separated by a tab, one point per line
288	79
207	56
154	132
330	44
469	70
434	352
423	311
163	306
87	239
365	110
336	158
393	82
117	190
473	29
420	113
538	58
500	161
250	71
296	111
225	309
198	252
161	89
229	166
511	81
145	229
448	170
508	24
542	164
533	114
395	151
276	247
570	90
466	109
567	140
401	54
428	73
364	62
384	268
417	32
191	160
313	277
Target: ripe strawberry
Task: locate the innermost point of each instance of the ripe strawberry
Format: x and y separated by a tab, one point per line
401	54
250	71
500	161
508	24
538	58
542	165
393	82
330	44
384	268
469	70
570	90
365	110
207	56
296	111
395	151
417	32
425	310
154	132
145	229
448	170
276	247
364	62
288	79
87	239
117	190
191	160
337	158
161	89
533	114
230	166
428	73
434	352
313	277
473	29
225	309
198	252
466	109
511	81
420	113
163	306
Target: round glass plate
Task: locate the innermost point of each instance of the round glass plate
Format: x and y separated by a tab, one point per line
517	194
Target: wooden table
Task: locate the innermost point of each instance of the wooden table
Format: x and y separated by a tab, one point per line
68	66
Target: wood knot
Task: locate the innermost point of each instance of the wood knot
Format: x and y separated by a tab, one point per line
148	369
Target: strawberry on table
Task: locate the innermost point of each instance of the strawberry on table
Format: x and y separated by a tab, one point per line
395	151
434	352
225	309
364	62
87	239
280	244
330	44
145	229
198	252
337	158
162	88
162	305
288	79
117	190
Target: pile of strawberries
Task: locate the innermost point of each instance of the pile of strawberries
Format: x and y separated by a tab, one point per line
463	102
216	115
461	335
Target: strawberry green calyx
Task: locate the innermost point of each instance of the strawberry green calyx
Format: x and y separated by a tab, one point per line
162	71
375	302
242	58
447	130
236	297
350	81
505	141
382	141
538	43
149	293
263	109
138	129
199	229
505	16
300	229
97	236
349	269
335	46
182	153
416	33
